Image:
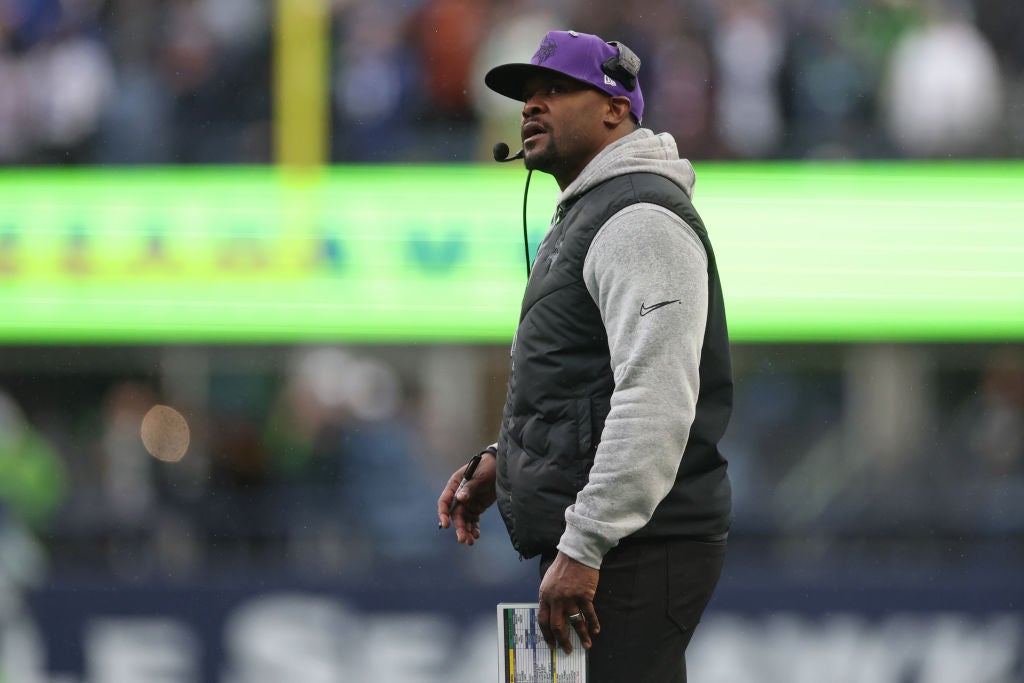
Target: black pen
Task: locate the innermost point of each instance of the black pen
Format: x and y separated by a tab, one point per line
466	476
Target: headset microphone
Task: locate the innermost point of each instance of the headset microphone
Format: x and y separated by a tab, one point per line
500	152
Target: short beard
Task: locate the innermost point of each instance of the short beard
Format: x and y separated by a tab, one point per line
545	160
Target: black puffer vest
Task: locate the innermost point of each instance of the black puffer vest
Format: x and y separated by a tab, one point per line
561	383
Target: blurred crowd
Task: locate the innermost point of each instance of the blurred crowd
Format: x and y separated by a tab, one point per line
328	461
190	81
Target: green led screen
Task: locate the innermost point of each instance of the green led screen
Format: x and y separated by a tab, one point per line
807	252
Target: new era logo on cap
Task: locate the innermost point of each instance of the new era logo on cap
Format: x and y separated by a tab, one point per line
578	55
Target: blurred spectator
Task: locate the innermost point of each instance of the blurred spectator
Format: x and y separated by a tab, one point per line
678	66
448	34
825	91
32	479
128	482
136	127
375	90
55	78
238	511
305	459
984	448
748	45
216	66
997	437
943	94
32	489
789	416
347	465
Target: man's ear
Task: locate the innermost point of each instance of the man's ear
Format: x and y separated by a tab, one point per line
617	112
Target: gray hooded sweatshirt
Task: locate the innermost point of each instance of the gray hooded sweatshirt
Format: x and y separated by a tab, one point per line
639	258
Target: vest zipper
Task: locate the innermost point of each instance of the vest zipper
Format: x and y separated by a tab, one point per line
559	214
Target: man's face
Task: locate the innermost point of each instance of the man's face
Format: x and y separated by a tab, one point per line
562	125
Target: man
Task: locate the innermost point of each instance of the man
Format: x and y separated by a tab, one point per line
607	464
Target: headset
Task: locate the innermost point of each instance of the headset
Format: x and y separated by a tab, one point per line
500	152
623	67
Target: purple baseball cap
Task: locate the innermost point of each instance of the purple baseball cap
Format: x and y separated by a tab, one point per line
582	56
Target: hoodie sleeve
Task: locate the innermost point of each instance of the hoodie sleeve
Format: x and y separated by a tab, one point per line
647	272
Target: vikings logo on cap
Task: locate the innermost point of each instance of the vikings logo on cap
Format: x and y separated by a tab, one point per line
545	51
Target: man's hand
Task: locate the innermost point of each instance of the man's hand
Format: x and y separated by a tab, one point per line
568	588
476	496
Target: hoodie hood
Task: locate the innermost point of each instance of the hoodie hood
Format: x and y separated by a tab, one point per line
642	151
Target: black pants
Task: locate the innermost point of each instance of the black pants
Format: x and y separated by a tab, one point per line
650	597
